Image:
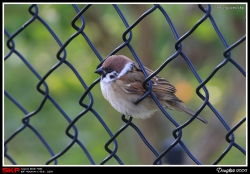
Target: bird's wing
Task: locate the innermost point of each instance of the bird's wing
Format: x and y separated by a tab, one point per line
162	88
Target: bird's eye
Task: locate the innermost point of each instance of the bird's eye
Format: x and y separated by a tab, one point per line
110	70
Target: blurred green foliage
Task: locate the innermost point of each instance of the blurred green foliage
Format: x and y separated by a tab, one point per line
104	28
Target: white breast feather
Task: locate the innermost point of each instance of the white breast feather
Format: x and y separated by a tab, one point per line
124	106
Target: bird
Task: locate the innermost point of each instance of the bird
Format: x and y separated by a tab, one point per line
121	85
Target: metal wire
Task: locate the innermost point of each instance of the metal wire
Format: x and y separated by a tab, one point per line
127	37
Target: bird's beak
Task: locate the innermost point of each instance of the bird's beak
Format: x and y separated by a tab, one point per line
100	71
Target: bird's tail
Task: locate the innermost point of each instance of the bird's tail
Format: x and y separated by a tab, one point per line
182	108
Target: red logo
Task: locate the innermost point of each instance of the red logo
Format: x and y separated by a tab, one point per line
10	170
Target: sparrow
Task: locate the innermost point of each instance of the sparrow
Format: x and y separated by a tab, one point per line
121	84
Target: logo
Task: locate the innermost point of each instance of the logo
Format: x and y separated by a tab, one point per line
10	170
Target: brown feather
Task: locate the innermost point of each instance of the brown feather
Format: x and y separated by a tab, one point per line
116	62
162	88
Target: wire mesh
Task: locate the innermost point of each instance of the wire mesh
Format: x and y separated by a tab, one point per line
72	130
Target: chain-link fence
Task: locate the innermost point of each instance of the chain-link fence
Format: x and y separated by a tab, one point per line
42	130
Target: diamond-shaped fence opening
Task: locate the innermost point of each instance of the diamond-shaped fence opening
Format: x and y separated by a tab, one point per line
54	112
